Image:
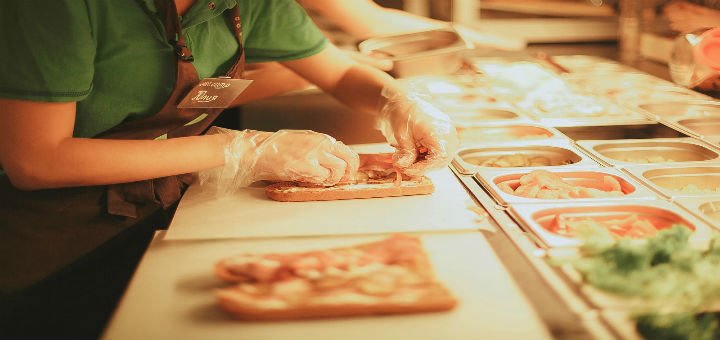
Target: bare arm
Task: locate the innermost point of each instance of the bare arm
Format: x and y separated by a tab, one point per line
364	19
38	151
357	86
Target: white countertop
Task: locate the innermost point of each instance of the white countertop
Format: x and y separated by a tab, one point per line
171	296
248	213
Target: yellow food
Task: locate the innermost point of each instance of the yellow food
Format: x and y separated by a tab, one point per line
517	160
694	189
649	159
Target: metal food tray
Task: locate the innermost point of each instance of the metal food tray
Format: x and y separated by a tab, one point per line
628	152
670	180
451	85
585	64
704	128
617	81
490	178
436	51
707	208
487	114
630	117
503	133
557	152
468	100
533	217
672	111
648	94
631	88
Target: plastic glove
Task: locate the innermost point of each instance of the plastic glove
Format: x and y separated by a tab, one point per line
423	136
287	155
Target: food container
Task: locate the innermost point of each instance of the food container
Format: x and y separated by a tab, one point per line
628	152
612	83
680	181
611	132
542	218
562	110
705	128
502	133
595	178
586	65
646	94
632	88
468	100
450	85
469	160
437	51
485	115
707	208
673	111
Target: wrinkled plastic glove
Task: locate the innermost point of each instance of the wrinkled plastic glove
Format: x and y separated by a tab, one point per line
423	136
287	155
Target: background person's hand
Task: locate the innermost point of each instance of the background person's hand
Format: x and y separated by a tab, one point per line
688	17
287	155
424	137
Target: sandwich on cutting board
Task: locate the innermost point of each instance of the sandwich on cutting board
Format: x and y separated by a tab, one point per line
376	177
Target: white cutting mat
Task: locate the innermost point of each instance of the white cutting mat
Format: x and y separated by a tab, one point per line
171	296
250	214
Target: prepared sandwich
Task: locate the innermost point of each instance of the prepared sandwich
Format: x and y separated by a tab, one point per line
376	177
390	276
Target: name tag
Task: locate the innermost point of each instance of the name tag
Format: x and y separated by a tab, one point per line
214	93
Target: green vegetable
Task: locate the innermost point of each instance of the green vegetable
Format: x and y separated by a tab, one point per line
684	326
677	280
663	267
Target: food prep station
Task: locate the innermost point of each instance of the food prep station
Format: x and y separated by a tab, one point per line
666	178
515	117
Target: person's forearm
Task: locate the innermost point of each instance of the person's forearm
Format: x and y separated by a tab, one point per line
83	162
361	88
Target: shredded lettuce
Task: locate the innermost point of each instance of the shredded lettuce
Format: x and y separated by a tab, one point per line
665	270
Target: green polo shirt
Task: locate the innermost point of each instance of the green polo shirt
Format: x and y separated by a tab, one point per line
112	57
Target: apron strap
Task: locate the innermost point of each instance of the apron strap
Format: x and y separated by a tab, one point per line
122	199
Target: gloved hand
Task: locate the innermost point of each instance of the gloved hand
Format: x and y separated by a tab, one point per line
423	136
286	155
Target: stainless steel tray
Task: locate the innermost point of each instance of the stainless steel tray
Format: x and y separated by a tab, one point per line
600	113
632	88
673	111
491	179
503	133
679	181
585	64
450	85
484	115
629	152
705	128
468	160
707	208
539	217
435	51
468	100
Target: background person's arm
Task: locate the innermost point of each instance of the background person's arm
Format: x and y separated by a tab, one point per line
364	19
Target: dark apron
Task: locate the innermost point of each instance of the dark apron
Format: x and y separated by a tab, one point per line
53	241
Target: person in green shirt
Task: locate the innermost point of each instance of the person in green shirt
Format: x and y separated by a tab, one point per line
79	80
